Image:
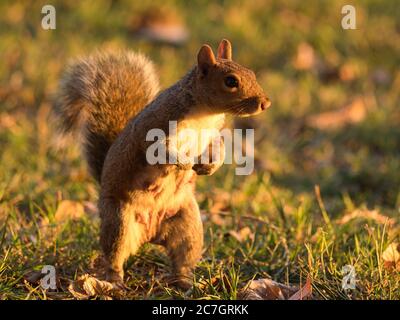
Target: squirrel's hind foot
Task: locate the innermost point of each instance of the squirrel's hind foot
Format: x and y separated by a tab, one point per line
117	279
183	282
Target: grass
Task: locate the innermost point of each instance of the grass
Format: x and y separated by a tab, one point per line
306	179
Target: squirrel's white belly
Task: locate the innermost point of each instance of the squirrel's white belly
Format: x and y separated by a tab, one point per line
195	132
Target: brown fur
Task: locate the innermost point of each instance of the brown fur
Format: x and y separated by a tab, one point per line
99	95
140	202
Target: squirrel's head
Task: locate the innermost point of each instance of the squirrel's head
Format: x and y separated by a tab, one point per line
225	86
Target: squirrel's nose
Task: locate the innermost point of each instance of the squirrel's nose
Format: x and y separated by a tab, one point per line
264	104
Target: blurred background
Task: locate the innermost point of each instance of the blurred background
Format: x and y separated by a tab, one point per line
334	120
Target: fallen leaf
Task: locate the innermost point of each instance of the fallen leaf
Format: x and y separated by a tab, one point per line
33	277
347	72
366	214
90	208
352	113
305	57
68	209
304	292
267	289
214	218
218	219
242	235
204	283
391	256
87	286
220	201
161	25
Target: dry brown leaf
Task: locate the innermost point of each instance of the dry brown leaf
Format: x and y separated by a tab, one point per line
7	121
267	289
304	292
68	209
242	235
218	220
220	201
90	209
87	286
366	214
305	58
348	72
204	283
160	25
214	218
352	113
33	277
391	257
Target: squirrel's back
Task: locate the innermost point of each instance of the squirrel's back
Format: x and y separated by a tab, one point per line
99	94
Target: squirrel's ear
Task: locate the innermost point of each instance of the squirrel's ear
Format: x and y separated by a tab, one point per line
205	58
225	50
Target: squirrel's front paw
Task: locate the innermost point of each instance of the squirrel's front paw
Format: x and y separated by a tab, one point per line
184	166
205	169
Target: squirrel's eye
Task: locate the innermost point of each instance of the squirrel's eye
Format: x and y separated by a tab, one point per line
231	82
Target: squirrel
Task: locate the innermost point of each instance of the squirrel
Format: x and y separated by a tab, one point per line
113	100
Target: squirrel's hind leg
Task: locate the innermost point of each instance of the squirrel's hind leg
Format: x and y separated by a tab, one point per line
182	236
120	236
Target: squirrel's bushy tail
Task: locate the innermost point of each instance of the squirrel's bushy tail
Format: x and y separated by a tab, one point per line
98	95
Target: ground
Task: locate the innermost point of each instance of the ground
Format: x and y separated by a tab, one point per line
325	192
